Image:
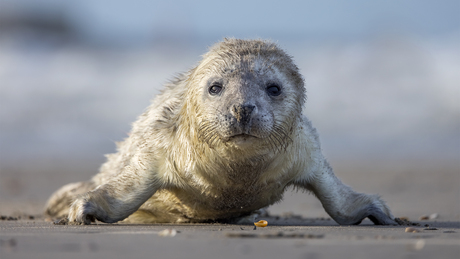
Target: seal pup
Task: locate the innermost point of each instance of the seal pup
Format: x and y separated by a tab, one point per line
221	141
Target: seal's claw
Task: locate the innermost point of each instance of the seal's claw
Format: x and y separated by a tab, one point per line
84	211
378	217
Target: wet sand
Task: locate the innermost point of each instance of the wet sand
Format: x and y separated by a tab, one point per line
298	226
291	239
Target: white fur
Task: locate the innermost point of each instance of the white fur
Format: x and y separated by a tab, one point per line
197	157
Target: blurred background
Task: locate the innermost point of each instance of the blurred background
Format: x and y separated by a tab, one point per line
382	81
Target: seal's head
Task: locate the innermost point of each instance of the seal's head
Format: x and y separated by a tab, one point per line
250	95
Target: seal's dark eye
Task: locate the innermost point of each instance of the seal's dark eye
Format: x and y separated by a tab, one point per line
273	90
215	89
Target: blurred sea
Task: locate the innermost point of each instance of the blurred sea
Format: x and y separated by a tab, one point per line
64	101
387	96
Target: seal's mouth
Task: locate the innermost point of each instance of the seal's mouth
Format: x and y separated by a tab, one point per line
241	138
243	135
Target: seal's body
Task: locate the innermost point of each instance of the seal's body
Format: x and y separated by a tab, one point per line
220	142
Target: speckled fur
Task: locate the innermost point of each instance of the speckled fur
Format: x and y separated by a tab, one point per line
197	157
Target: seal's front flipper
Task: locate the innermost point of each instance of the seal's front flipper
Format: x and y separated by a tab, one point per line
344	205
59	203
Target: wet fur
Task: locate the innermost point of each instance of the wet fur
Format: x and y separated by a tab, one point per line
185	160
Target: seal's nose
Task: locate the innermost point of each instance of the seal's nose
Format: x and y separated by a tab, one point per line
242	113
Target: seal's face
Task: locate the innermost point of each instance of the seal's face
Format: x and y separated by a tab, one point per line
243	106
248	101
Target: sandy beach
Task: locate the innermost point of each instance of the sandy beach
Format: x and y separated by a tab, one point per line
320	239
298	226
382	80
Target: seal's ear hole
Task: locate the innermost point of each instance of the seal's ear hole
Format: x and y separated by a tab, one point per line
273	89
215	89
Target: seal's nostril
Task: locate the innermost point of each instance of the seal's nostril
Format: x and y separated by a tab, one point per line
242	113
248	109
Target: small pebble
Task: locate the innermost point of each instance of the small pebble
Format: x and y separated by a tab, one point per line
418	245
433	216
429	217
167	233
261	223
411	230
